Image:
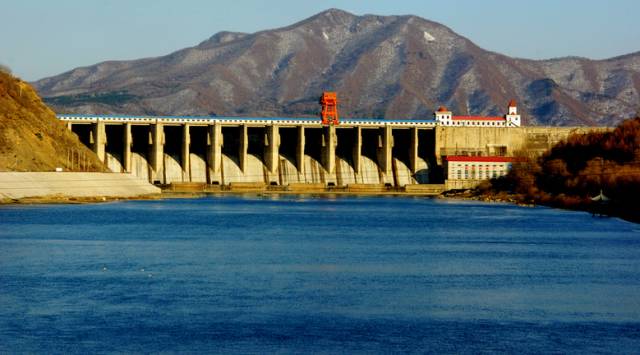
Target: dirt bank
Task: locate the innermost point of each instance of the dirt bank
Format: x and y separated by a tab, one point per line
32	138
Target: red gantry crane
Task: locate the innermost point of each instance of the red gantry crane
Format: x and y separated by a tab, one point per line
329	102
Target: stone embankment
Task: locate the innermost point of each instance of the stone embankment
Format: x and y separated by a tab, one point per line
54	186
305	188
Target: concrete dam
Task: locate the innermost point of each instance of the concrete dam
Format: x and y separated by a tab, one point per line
290	151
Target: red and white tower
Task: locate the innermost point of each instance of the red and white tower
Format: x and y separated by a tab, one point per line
512	117
443	116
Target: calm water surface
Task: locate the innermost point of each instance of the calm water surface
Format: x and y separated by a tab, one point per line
250	274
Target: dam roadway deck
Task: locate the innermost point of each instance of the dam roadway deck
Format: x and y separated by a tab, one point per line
289	151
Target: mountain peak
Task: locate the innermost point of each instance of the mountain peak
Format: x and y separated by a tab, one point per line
331	16
382	66
221	38
334	12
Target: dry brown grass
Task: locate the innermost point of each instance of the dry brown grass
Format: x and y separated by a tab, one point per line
31	138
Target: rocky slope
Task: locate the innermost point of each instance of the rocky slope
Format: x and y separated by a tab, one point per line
31	138
382	66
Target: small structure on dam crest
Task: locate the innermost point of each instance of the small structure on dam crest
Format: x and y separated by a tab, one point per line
329	113
444	117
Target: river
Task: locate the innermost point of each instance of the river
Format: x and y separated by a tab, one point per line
265	274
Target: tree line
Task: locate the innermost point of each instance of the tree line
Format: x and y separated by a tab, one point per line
576	170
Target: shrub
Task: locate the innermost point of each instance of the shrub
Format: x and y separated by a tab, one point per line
5	69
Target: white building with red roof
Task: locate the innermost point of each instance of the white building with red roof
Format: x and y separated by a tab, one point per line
444	117
464	171
477	168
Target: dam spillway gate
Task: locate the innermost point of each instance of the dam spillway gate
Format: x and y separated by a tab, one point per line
223	151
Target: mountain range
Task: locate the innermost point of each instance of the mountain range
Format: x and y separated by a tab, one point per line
381	67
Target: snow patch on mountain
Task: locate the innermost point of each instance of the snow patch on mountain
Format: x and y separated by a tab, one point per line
428	37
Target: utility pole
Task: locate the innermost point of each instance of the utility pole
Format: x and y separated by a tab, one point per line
601	174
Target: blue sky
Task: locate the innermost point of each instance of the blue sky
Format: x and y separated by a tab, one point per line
40	38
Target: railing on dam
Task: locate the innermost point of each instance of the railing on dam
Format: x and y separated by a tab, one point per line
207	120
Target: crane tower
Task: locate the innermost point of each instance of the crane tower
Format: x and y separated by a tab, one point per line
329	102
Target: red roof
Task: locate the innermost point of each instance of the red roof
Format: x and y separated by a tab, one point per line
442	109
512	103
477	118
492	159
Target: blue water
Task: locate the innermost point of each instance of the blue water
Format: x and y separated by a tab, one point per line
251	274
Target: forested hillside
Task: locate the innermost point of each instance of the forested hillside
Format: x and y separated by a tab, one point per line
575	171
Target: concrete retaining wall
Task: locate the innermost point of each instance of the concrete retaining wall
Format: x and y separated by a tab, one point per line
455	184
16	185
502	141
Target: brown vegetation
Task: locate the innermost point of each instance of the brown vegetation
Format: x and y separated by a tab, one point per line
578	169
5	69
32	138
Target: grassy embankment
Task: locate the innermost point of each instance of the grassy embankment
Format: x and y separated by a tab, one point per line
575	170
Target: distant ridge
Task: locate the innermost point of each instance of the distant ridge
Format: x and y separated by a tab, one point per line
381	66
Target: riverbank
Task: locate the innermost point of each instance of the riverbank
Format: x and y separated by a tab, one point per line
584	205
67	187
60	199
474	195
80	188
